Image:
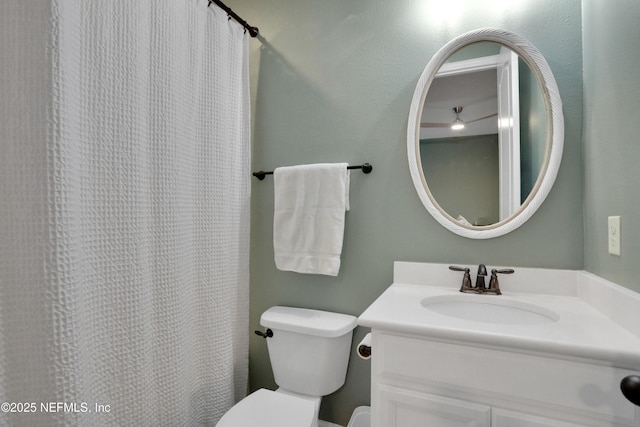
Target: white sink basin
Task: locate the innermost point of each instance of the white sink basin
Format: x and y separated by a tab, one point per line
540	310
489	309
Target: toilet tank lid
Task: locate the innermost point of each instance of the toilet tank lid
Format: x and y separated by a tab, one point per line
307	321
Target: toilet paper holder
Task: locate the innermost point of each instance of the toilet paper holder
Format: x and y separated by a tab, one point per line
364	348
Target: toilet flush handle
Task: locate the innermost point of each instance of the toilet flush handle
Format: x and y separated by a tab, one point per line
267	334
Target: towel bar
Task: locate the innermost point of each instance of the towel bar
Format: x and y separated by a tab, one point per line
366	168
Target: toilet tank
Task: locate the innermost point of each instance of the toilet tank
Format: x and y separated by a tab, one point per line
309	349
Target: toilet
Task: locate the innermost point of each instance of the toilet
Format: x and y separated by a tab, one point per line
309	353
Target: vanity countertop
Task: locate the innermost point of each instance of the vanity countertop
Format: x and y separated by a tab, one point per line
580	329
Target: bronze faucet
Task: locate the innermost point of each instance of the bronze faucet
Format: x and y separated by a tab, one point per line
482	272
480	288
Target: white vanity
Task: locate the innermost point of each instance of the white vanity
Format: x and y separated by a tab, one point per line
550	351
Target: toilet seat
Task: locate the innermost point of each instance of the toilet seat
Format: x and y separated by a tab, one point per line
266	408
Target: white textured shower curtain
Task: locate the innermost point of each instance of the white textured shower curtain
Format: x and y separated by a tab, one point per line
143	308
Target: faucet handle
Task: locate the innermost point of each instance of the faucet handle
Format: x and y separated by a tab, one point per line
466	279
494	286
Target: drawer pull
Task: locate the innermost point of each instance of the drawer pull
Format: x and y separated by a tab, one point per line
630	387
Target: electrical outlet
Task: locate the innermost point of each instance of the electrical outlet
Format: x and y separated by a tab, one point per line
614	235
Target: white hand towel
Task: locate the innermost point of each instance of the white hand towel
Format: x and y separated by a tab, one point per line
308	221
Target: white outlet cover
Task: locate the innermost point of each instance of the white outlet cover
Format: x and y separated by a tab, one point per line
614	235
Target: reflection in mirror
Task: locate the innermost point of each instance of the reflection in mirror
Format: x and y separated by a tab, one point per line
488	174
482	134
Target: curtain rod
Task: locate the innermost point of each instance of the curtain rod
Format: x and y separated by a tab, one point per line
366	168
253	31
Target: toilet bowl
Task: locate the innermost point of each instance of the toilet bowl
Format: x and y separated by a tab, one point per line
309	352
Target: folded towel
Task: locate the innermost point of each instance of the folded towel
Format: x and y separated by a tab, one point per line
308	221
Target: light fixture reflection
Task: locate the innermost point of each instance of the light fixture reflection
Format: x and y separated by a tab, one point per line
457	123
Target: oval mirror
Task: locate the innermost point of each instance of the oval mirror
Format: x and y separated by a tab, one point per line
485	133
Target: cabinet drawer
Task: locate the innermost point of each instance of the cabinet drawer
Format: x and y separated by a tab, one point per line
504	418
585	390
405	408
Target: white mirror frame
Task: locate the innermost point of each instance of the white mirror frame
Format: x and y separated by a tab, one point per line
555	132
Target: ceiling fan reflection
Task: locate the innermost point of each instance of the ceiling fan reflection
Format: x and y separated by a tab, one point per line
458	123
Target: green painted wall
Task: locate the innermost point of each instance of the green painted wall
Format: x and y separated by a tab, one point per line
475	50
462	173
611	143
332	81
533	127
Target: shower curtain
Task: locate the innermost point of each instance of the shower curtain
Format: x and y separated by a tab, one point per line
141	318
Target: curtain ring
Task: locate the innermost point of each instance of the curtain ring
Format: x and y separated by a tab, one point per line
210	1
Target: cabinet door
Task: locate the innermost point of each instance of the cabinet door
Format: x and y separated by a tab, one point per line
504	418
406	408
